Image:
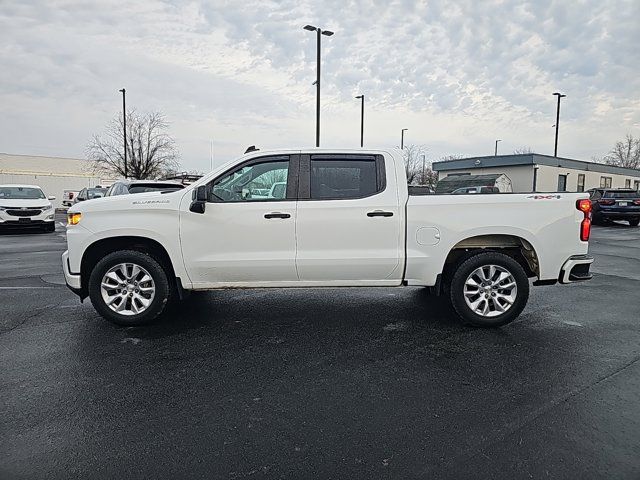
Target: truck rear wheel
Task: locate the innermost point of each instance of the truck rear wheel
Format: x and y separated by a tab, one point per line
489	289
129	288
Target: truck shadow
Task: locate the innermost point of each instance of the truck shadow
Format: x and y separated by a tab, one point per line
366	309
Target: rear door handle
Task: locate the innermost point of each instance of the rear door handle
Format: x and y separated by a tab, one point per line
379	213
277	215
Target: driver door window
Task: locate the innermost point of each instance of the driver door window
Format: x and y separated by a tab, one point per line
262	181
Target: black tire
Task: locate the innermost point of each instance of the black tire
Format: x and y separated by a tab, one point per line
465	269
596	219
634	222
155	270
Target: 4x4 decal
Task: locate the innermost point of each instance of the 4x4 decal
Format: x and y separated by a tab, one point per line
544	197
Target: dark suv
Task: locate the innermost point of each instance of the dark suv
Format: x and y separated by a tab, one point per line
615	204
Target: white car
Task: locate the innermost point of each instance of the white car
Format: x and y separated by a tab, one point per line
26	206
343	219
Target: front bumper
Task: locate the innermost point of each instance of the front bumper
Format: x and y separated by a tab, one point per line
72	279
36	221
576	269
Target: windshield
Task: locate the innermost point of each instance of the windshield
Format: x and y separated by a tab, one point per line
621	194
153	188
21	193
96	192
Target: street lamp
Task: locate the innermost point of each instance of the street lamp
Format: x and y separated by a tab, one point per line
124	128
495	153
319	32
559	95
402	138
361	120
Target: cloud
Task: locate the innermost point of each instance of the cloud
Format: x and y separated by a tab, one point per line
457	74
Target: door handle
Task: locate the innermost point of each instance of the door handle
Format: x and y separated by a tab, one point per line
277	215
379	213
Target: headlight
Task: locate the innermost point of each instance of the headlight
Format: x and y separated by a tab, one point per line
73	218
2	209
48	207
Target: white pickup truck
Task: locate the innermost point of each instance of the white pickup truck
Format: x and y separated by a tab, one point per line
323	218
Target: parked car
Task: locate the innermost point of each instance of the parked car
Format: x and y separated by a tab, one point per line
472	190
90	194
68	197
345	220
615	204
26	206
125	187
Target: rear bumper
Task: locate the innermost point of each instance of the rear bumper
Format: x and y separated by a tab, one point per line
618	215
576	269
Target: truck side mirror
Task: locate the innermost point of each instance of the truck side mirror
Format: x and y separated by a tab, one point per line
201	194
200	198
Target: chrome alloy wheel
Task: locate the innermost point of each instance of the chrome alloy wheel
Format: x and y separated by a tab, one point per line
127	289
490	290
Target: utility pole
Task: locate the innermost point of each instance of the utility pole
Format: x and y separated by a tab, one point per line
361	120
423	162
402	138
559	95
124	128
319	32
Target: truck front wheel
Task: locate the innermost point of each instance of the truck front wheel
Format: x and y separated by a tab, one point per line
489	289
128	288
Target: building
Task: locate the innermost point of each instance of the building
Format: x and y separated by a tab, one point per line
53	174
543	173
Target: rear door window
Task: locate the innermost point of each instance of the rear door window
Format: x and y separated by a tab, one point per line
348	177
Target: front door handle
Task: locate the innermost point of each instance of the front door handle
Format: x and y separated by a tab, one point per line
277	215
379	213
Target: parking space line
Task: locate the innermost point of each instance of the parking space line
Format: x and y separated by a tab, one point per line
20	288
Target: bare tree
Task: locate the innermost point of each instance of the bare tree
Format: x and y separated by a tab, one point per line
625	153
413	161
151	152
418	169
522	150
446	158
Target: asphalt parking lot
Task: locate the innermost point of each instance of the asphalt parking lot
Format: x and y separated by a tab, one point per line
353	383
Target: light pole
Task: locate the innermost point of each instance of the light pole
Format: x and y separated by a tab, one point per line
559	95
495	152
319	32
361	120
423	162
124	128
402	138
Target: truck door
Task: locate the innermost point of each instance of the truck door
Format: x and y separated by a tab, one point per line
246	236
349	224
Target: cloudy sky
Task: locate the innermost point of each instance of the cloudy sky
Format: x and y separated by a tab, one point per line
457	74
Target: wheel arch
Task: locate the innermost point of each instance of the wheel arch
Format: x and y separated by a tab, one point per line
518	248
98	249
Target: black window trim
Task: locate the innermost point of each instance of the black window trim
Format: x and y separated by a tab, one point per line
304	185
292	177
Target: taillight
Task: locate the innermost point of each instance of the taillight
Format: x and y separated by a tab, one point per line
585	207
636	202
70	195
605	201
